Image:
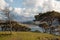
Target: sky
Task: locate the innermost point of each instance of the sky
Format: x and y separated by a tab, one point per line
24	10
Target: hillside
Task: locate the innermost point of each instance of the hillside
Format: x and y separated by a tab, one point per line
29	36
16	26
3	22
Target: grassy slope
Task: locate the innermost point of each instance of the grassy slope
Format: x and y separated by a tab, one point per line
27	36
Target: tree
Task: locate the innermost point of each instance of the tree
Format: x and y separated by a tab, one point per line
52	29
6	12
44	27
49	18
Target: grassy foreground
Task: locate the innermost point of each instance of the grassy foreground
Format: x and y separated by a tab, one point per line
28	36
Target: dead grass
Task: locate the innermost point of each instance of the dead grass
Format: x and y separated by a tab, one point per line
28	36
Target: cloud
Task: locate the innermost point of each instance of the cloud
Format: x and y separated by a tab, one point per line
22	14
57	0
2	17
3	4
33	3
10	8
18	10
56	5
32	7
45	5
11	0
23	11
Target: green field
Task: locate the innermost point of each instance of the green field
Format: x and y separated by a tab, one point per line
27	36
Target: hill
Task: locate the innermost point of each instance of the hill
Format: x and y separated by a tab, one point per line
29	36
16	26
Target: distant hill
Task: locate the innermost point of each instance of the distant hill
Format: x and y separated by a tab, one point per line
16	26
28	22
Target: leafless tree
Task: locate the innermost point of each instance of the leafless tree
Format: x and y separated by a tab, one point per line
6	12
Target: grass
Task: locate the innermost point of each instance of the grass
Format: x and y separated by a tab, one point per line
27	36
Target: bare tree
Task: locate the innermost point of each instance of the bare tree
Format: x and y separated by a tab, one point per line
6	12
